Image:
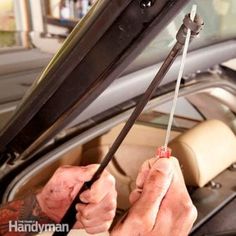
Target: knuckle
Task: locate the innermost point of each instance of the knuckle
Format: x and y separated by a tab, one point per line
141	224
145	164
158	181
111	180
62	168
78	216
154	177
176	165
84	221
114	194
90	168
112	204
94	199
108	208
155	194
189	211
175	160
104	227
86	214
193	213
109	216
107	225
90	230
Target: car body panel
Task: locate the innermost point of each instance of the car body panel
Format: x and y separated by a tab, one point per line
59	83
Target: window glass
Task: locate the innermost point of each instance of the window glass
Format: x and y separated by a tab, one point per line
212	106
155	118
186	115
214	103
7	24
219	17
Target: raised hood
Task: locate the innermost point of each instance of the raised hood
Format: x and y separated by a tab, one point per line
100	47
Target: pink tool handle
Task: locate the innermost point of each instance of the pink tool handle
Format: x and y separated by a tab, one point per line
163	152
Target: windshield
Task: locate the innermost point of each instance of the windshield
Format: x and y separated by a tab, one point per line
219	24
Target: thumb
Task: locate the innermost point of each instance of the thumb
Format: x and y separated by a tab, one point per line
155	188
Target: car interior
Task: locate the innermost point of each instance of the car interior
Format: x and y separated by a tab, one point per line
205	143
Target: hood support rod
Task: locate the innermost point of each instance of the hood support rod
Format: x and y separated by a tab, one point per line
195	27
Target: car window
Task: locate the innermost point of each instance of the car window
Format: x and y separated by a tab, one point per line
218	16
186	115
192	110
212	106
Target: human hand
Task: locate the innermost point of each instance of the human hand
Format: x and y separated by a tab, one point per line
97	214
161	205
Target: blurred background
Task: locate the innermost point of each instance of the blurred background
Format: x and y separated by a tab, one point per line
50	18
44	24
7	24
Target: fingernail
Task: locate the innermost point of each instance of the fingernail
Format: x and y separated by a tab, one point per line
77	207
141	178
164	166
139	190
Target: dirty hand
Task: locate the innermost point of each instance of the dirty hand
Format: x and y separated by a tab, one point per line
160	203
97	214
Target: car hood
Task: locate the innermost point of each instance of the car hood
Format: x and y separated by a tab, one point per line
100	47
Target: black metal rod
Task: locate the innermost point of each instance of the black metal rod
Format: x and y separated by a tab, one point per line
138	109
70	215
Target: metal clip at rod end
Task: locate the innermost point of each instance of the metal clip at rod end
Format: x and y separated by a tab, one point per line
195	26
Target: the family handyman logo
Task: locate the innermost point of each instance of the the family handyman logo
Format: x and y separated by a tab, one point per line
36	227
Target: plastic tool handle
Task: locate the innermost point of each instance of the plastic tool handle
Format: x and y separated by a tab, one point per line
163	152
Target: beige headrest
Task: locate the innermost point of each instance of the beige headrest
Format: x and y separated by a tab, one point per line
204	151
